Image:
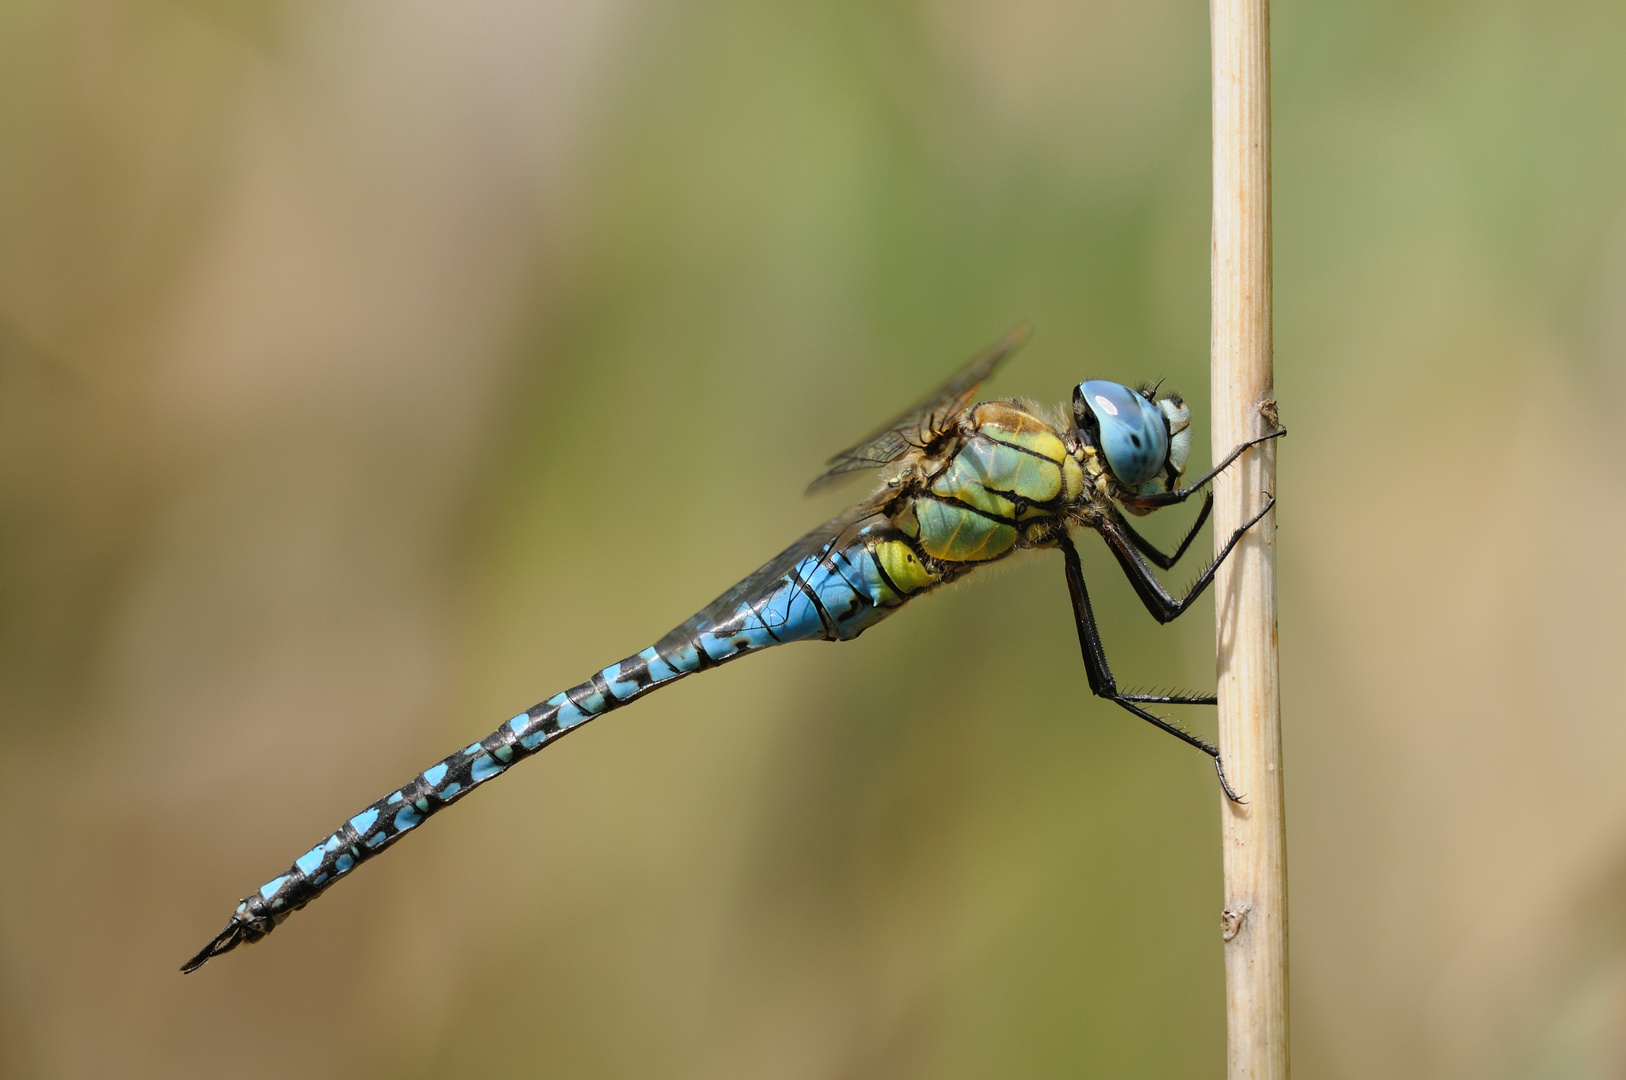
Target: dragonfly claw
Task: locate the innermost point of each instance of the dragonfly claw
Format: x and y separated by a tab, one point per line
1219	767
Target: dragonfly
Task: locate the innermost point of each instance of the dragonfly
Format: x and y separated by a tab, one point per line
962	485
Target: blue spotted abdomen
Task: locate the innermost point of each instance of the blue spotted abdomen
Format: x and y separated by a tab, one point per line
832	585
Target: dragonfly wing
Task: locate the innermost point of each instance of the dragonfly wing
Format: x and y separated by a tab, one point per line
918	425
820	543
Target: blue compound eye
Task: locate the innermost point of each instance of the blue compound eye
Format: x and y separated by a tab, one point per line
1129	430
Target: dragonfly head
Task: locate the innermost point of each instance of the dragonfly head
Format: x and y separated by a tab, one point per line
1142	437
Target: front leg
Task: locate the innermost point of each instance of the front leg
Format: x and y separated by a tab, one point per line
1148	549
1099	674
1180	495
1152	592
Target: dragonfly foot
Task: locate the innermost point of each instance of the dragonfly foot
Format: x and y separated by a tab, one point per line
1219	767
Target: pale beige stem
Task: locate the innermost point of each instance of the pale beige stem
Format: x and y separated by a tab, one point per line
1254	925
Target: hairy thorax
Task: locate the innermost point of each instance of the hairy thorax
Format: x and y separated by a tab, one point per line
1003	478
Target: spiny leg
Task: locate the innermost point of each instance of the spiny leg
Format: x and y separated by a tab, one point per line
1099	674
1180	495
1152	592
1160	560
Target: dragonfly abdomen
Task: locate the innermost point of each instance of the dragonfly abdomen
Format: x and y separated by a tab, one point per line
440	785
834	594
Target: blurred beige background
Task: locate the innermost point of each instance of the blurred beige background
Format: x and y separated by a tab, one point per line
371	371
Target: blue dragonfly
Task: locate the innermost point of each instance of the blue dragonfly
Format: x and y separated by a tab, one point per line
963	485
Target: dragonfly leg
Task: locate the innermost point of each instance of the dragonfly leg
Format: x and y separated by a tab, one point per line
1180	495
1099	674
1153	593
1148	549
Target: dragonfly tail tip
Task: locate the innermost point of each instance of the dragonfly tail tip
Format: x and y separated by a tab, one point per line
223	942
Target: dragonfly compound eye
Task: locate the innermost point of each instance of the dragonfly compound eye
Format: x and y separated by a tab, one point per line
1128	429
1178	414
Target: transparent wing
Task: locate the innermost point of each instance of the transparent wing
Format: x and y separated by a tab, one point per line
918	425
821	542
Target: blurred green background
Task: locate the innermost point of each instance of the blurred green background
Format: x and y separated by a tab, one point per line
370	371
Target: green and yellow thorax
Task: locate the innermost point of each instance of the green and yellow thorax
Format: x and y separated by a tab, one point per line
1000	478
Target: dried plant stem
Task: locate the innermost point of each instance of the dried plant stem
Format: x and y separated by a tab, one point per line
1255	838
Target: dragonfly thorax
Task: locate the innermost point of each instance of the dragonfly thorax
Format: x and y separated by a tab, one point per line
1009	478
